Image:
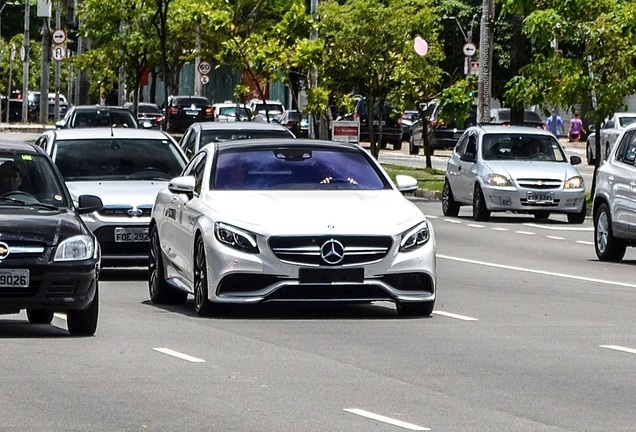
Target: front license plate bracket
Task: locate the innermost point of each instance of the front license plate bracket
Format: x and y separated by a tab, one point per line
328	276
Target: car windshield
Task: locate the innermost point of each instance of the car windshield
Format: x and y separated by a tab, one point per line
208	136
29	179
117	159
103	118
295	168
521	147
626	121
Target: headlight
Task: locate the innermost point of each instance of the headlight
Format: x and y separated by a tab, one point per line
498	180
415	237
76	248
574	183
235	237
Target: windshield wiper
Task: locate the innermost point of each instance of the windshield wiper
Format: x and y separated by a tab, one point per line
24	203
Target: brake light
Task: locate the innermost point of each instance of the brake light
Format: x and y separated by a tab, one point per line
356	116
209	111
174	110
158	118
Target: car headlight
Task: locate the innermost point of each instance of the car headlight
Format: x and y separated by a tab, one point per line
498	180
415	237
574	183
235	237
77	248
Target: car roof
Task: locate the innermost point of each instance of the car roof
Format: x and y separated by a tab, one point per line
98	107
106	132
240	126
18	146
494	129
283	142
625	114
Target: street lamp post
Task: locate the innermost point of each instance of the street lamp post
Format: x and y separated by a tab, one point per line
1	9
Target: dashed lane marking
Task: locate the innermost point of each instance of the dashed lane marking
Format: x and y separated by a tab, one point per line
456	316
525	233
383	419
179	355
619	348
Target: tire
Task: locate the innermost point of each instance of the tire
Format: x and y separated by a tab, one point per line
39	316
413	149
84	322
415	309
159	290
588	154
542	215
578	218
480	211
397	145
450	207
202	305
607	247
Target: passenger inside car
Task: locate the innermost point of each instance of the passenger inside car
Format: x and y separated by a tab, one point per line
10	177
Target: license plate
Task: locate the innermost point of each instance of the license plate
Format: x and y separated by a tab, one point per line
129	235
541	198
312	275
190	112
14	278
376	123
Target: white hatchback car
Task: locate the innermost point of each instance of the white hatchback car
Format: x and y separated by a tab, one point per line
513	169
290	220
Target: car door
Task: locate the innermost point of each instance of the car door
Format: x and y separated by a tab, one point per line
623	183
459	171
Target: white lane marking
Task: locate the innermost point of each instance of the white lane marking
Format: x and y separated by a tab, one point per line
179	355
558	228
555	237
586	243
430	216
500	229
619	348
476	225
452	315
525	233
384	419
546	273
455	221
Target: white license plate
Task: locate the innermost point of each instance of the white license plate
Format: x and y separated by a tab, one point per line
190	112
127	235
541	198
14	278
376	123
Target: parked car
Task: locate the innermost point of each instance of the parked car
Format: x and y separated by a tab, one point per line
391	124
292	120
49	259
268	110
513	169
227	111
610	130
288	220
615	200
441	135
501	116
147	113
408	118
182	111
33	98
125	168
200	134
98	116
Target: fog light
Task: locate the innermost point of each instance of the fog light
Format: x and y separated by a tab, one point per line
504	201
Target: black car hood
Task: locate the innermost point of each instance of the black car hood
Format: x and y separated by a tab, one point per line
39	225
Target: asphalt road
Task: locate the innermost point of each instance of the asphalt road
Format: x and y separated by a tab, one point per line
530	333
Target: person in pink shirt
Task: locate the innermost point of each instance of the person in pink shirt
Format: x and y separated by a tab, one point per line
576	126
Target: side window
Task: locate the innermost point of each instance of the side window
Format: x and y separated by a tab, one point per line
627	148
189	143
471	147
197	170
460	148
41	142
189	169
609	125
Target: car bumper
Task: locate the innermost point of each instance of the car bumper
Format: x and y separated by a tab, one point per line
236	277
562	201
55	286
115	251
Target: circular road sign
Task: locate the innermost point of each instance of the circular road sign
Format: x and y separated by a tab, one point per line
469	49
58	52
205	79
59	36
204	68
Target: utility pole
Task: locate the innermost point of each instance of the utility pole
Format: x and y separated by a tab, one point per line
25	64
44	76
58	25
484	91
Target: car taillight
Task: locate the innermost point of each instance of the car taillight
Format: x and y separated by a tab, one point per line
356	116
158	118
209	111
174	110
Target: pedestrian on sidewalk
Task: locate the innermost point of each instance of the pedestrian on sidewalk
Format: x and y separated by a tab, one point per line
576	126
554	124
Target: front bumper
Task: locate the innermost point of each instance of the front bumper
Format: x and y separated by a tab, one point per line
507	199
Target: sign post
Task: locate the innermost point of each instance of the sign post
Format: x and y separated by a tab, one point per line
345	131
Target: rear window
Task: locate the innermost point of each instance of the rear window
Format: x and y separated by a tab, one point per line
103	118
191	100
268	107
149	109
626	121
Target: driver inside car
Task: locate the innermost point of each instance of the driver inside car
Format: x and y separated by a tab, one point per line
10	178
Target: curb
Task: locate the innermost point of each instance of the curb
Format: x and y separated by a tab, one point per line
25	128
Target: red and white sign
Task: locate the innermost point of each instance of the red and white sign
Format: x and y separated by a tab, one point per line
345	131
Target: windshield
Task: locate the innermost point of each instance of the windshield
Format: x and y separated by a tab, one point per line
295	168
238	134
30	179
118	159
521	146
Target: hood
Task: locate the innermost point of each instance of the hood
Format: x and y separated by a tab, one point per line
38	225
131	192
311	212
533	169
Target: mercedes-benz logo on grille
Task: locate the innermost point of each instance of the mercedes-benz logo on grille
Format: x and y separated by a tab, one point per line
135	212
4	250
332	251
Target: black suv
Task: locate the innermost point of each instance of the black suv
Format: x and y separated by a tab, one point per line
88	116
182	111
391	123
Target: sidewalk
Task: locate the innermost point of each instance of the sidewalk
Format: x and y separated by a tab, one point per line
25	127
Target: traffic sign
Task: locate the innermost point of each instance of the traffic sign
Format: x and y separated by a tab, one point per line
59	36
58	52
205	79
469	49
204	68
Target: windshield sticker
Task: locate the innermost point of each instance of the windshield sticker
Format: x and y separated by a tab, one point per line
27	157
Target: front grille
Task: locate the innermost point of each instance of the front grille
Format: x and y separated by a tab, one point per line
555	203
19	250
126	211
539	184
305	250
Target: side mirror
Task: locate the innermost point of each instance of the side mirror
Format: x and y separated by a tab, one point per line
405	184
575	160
182	185
146	124
591	128
60	124
89	204
467	157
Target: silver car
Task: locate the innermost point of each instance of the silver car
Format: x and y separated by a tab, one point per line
610	130
290	220
125	168
615	200
513	169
